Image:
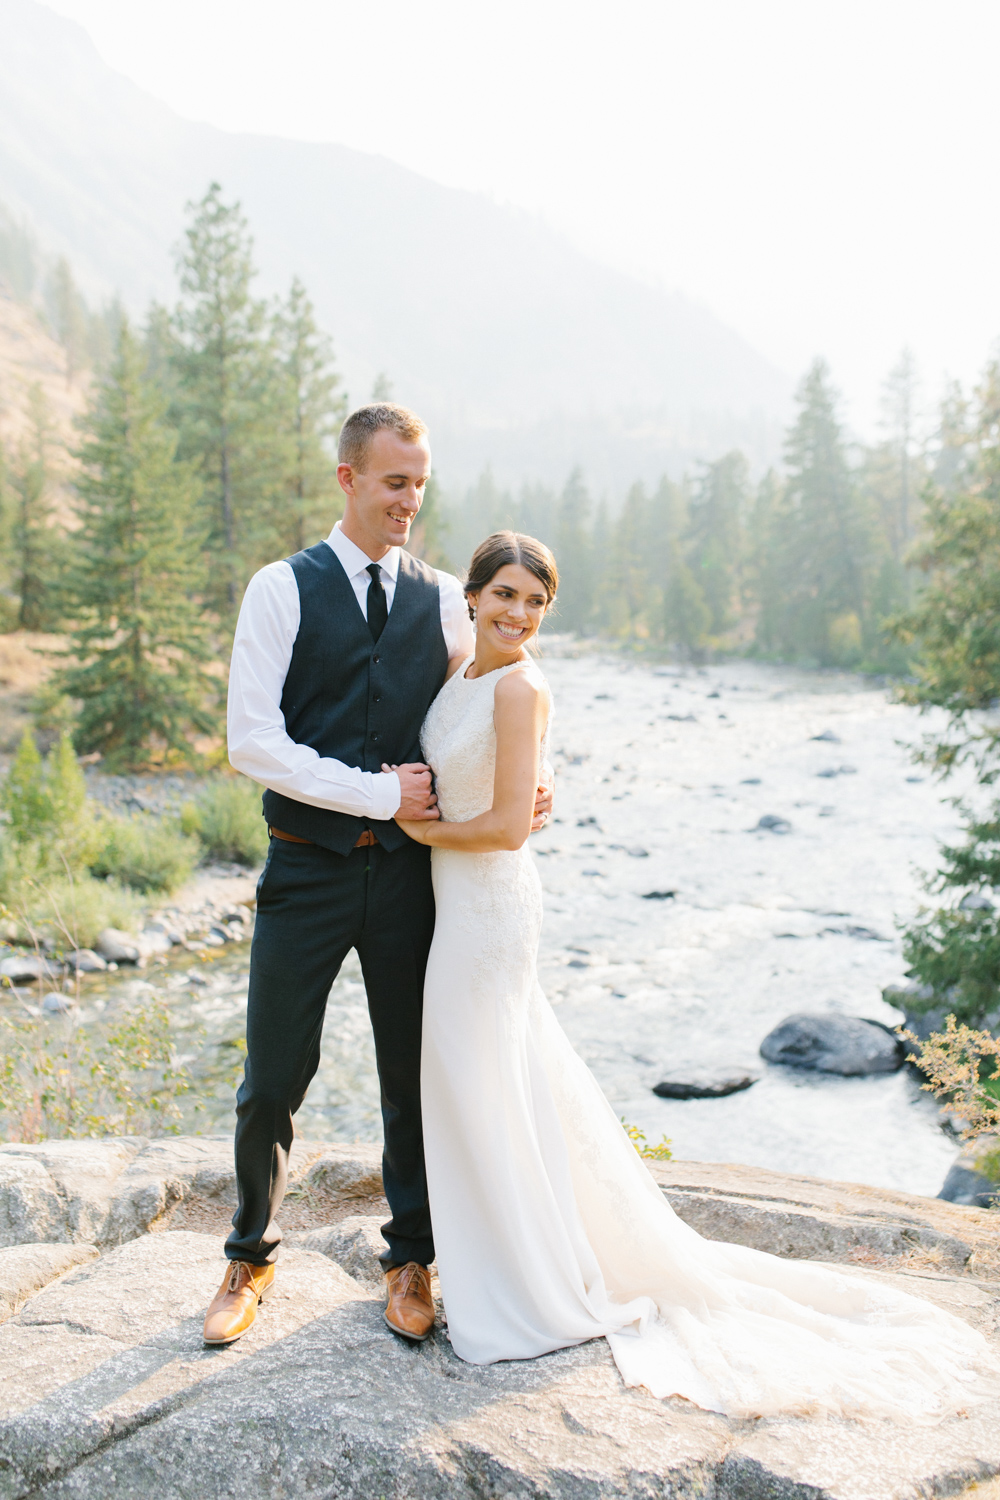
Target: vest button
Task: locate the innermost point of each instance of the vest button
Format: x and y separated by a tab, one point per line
374	734
376	697
374	658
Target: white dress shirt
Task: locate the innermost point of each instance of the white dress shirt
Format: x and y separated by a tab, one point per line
259	744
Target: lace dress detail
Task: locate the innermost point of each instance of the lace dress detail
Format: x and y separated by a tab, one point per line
548	1228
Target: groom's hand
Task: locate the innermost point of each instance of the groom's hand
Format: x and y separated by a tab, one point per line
417	799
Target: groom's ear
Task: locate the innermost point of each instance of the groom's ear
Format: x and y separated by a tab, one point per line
345	478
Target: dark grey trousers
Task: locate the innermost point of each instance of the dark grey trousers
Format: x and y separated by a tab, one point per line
313	907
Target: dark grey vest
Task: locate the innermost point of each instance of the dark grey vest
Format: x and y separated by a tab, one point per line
352	699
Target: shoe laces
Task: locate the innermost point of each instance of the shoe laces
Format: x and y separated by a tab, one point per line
234	1274
412	1272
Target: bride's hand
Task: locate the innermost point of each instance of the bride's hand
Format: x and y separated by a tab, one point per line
543	806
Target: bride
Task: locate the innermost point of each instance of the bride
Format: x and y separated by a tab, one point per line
549	1230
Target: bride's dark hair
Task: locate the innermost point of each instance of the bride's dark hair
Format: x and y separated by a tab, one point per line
504	548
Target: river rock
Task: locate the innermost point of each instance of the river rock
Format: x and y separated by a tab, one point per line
355	1244
25	1269
23	968
966	1184
106	1390
86	961
55	1003
710	1084
847	1045
117	947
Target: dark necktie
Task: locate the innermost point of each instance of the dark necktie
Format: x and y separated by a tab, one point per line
378	609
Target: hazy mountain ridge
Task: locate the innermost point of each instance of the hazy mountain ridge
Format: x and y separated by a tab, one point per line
520	350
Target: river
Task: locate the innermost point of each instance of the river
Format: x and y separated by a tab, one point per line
663	775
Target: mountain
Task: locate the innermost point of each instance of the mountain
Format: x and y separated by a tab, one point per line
520	351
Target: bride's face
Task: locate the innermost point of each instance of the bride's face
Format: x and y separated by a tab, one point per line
509	609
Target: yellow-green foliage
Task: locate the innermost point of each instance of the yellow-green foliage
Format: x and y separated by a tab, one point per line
59	1079
662	1152
147	854
73	910
962	1065
54	842
227	819
46	810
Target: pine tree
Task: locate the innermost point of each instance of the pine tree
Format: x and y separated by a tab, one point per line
429	533
826	543
574	554
715	532
313	415
228	402
955	623
36	545
140	641
686	616
68	315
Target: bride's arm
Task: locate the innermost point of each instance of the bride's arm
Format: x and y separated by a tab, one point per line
520	709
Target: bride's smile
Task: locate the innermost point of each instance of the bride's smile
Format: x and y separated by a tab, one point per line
508	612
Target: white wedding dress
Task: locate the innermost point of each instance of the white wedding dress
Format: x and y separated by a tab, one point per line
548	1228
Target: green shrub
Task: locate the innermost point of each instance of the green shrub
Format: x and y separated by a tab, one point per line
72	911
58	1078
46	810
148	854
227	819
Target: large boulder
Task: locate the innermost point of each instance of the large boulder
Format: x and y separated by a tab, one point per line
847	1045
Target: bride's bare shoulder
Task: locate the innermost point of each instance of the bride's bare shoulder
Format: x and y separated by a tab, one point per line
521	689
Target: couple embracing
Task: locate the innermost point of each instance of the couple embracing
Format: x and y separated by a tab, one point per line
404	759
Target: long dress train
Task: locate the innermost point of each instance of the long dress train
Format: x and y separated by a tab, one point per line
550	1231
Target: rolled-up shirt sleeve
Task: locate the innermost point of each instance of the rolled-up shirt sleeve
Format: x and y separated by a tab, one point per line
259	744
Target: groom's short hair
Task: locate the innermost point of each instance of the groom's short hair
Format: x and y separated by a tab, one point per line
361	426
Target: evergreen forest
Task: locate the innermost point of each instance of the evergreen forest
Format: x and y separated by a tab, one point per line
209	450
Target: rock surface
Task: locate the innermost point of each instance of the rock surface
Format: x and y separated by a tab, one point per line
25	1269
715	1083
811	1218
109	1191
846	1045
106	1390
355	1243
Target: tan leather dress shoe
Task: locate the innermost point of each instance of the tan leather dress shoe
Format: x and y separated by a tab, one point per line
410	1308
243	1288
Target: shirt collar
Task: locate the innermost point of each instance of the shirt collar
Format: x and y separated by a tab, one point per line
354	561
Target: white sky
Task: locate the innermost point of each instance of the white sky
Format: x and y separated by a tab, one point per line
821	173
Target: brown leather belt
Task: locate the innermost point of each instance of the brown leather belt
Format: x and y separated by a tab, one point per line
364	842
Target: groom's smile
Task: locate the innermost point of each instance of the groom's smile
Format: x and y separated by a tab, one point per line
385	492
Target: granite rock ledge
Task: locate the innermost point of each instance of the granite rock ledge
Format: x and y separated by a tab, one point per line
106	1389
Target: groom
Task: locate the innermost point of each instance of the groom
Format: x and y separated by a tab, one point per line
338	654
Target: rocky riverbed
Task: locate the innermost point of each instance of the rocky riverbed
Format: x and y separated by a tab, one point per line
731	846
110	1250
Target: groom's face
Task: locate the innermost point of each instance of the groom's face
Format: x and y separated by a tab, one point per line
385	494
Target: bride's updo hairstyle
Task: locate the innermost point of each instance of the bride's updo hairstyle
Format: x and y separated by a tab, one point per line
501	550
